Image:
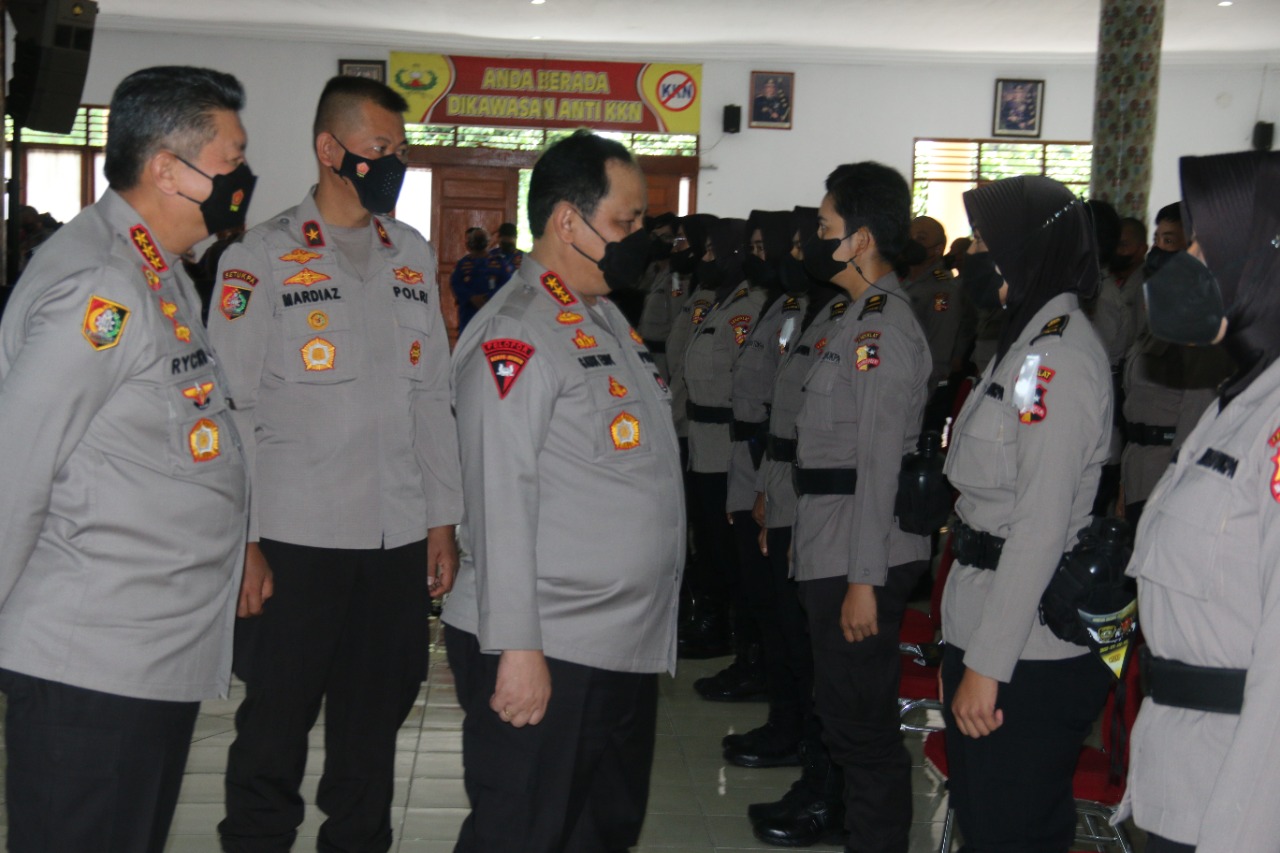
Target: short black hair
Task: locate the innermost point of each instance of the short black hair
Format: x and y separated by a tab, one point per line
876	196
572	169
343	93
1170	213
507	229
1136	226
165	107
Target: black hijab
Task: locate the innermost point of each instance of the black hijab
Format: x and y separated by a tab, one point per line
1041	237
728	237
1231	203
696	228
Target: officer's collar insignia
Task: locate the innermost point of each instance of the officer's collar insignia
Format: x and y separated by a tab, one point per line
408	276
1054	328
382	233
568	318
584	341
153	280
141	238
625	431
635	336
203	441
838	309
312	234
104	322
318	354
873	305
301	256
554	286
170	310
306	277
507	357
198	394
234	301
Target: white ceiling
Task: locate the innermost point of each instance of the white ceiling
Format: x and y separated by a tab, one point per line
823	30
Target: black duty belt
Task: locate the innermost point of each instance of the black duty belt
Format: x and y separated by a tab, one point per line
1156	436
975	548
1197	688
780	449
708	414
747	430
656	347
825	481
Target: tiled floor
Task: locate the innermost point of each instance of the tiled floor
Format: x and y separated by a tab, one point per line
697	802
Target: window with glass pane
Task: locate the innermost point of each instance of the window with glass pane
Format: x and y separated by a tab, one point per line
414	205
54	182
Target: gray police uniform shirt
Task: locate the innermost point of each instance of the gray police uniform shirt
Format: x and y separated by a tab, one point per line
863	401
341	378
1207	561
1166	386
574	536
709	360
776	478
1115	313
1026	454
123	511
663	296
693	311
775	333
946	316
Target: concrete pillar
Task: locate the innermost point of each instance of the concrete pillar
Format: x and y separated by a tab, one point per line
1124	112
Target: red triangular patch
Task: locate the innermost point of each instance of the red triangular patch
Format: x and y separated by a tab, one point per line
507	357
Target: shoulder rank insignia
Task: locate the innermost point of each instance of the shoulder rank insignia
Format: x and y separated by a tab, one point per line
408	276
873	305
234	301
306	277
153	280
838	309
507	357
198	394
415	353
554	286
625	432
301	256
1054	328
635	336
741	293
584	341
240	275
791	304
104	322
616	388
312	234
942	275
141	238
382	233
941	301
203	441
318	354
568	318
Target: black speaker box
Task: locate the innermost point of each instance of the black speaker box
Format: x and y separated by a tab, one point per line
732	118
51	59
1264	133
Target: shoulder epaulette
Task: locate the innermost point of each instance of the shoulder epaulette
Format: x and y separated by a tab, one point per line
1054	328
838	308
874	305
741	293
791	304
942	275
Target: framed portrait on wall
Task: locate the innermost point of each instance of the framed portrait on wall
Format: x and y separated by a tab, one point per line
374	69
1019	108
772	98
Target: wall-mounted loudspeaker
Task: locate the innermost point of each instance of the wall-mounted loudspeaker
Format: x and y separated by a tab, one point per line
51	58
732	118
1264	133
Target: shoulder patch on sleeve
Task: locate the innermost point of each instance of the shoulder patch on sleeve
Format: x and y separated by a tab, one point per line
868	357
104	322
1053	328
507	357
741	325
240	275
873	305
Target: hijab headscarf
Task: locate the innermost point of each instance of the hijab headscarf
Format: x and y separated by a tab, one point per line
728	237
1041	238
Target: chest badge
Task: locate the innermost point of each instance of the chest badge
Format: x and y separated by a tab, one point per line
741	328
616	388
507	357
104	322
568	318
198	394
408	276
635	336
318	354
625	432
318	320
301	256
584	341
203	441
306	277
415	353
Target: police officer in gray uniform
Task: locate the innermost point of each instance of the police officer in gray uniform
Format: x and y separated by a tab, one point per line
566	603
338	362
1203	755
122	516
1026	454
663	294
863	401
698	298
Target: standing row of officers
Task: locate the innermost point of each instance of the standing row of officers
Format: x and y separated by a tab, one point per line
304	462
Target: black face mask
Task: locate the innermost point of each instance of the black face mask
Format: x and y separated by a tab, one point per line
661	249
818	261
1120	263
1184	302
624	261
377	182
228	203
683	262
710	275
914	254
1156	259
982	281
794	278
759	272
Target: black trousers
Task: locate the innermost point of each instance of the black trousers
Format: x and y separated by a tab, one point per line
750	583
348	627
1159	844
855	693
91	772
787	652
577	782
1011	790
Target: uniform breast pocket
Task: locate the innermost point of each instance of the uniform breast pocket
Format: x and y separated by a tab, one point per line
320	344
983	454
622	428
411	346
819	400
201	436
1187	536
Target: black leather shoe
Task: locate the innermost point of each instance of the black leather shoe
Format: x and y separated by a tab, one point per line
735	683
764	752
822	821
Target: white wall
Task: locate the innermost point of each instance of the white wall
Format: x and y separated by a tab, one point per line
843	112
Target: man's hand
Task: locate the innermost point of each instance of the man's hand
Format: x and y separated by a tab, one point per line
763	539
523	689
757	509
858	613
257	585
974	705
442	559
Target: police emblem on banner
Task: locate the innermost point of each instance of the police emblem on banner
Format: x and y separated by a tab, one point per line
234	301
104	322
625	432
507	357
203	441
318	354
